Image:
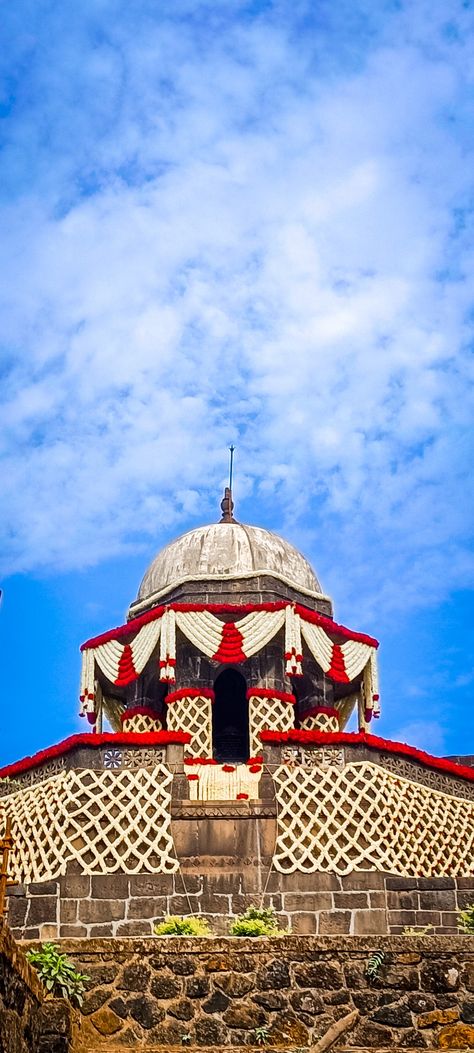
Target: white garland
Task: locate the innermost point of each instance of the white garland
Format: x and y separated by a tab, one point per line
168	647
293	645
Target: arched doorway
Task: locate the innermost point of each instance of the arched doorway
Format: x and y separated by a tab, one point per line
230	718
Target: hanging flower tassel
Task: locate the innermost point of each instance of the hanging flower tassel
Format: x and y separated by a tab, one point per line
370	688
87	689
293	648
168	647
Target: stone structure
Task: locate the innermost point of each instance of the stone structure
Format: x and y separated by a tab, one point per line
174	992
228	778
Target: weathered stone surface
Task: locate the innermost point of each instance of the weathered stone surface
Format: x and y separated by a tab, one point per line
41	909
218	963
467	1011
182	1010
420	1002
371	1034
135	977
210	1032
197	987
411	1039
145	1010
439	976
94	999
165	985
106	1021
246	1017
287	1029
217	1003
456	1036
334	921
119	1006
235	985
104	973
397	1015
437	1016
269	1000
321	975
306	1002
274	976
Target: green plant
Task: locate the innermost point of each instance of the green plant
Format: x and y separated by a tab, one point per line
175	926
256	921
57	973
414	930
466	920
261	1035
373	965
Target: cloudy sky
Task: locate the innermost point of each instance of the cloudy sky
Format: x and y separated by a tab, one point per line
250	223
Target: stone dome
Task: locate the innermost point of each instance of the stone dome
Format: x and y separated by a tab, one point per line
226	551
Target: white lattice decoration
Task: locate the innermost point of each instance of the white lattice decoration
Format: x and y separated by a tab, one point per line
364	818
320	722
107	821
141	723
213	783
268	714
194	715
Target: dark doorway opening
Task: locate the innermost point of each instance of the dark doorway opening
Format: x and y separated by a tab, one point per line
230	718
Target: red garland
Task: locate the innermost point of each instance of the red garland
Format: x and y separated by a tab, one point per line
234	609
242	797
228	767
192	777
328	711
139	711
360	738
254	768
255	760
107	738
200	760
268	692
230	648
337	669
190	692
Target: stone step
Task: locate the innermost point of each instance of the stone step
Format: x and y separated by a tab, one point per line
257	1049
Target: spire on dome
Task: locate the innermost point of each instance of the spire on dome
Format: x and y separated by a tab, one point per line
227	504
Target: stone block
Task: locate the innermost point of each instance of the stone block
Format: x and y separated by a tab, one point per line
395	1015
210	1032
183	905
217	1003
273	976
151	885
465	898
101	911
109	886
134	928
134	977
465	883
456	1036
320	975
43	888
449	921
145	1010
366	922
183	1009
330	923
75	886
269	1000
187	882
245	1017
438	977
372	1035
166	986
17	908
436	883
101	930
437	1016
467	1011
438	899
395	883
48	931
143	907
72	931
402	918
428	917
363	880
308	901
378	900
197	987
68	911
350	900
106	1021
235	985
304	924
42	909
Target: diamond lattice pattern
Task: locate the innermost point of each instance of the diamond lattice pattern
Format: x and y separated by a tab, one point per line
268	714
106	820
195	716
364	818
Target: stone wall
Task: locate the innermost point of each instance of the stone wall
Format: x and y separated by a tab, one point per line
175	991
79	905
21	996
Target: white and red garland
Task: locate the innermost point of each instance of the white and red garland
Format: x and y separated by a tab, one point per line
122	654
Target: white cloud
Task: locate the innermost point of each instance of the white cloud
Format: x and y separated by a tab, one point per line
239	243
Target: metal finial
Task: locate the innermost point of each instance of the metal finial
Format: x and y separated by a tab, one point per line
227	504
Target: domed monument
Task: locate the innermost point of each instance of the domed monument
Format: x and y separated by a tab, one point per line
228	778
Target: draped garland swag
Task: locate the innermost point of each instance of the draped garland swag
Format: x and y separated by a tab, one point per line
122	654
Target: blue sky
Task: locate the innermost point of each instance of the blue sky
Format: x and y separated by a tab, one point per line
248	223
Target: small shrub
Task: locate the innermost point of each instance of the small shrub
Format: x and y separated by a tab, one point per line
257	921
374	963
466	920
57	973
261	1035
189	926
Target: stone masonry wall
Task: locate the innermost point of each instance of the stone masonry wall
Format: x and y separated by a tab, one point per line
79	905
21	996
175	992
